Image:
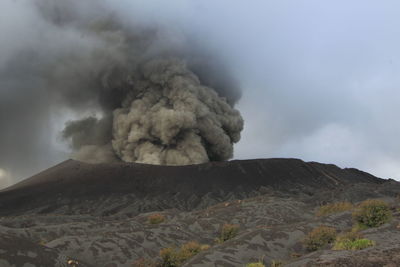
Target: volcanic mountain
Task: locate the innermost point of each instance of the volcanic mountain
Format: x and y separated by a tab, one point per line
80	214
77	187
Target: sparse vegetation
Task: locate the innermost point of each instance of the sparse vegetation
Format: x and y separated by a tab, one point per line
204	247
228	231
174	257
156	218
334	208
320	237
372	213
170	257
73	263
276	263
255	264
295	255
352	241
142	262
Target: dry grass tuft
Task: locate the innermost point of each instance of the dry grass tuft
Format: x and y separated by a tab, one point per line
156	218
174	257
334	208
255	264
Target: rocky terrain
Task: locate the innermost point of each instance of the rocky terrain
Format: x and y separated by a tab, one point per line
79	214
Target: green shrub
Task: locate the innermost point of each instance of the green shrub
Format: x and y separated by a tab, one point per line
320	237
352	241
334	208
355	245
228	231
156	218
255	264
372	213
173	257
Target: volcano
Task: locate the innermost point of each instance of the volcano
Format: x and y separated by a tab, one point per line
81	214
143	187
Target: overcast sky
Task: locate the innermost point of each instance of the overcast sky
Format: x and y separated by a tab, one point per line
324	83
320	79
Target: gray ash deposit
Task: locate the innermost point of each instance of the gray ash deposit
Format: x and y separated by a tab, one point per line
97	214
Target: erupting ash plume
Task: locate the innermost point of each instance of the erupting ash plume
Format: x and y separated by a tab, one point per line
162	100
171	118
141	91
166	117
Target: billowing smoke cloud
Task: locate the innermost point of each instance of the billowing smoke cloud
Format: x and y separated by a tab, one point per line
166	116
171	118
157	97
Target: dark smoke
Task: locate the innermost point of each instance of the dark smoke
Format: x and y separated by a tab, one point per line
158	96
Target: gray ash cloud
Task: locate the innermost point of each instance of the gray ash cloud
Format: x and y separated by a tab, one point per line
159	98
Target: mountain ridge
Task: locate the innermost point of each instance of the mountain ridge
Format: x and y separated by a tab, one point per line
72	182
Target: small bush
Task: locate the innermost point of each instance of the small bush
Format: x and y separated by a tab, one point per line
228	231
352	241
156	218
255	264
353	235
173	257
189	249
372	213
334	208
169	257
320	237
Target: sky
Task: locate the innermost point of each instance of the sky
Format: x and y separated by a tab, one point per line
320	79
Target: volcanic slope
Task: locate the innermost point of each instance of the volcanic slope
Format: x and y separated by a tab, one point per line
97	214
74	187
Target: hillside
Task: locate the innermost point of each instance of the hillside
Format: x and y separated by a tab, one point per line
79	214
141	187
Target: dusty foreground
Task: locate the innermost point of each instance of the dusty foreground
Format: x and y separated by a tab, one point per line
77	214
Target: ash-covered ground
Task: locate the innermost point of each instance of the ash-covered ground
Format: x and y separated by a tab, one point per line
80	214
